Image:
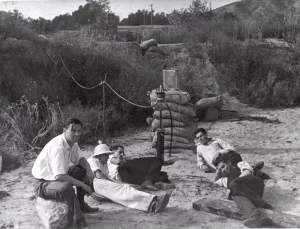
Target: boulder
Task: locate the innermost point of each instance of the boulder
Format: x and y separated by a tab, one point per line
54	214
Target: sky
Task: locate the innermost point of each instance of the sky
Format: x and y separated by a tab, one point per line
49	9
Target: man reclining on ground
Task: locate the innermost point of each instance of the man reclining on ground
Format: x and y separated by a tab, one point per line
122	193
210	148
246	189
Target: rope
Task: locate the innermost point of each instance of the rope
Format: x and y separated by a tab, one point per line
128	100
87	88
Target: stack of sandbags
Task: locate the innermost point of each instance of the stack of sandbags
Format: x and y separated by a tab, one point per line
209	108
54	214
178	120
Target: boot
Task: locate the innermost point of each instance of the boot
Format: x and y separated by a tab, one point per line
159	203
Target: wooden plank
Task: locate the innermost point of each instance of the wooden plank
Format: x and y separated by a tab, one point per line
229	209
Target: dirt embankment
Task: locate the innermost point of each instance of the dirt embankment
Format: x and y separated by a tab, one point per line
276	142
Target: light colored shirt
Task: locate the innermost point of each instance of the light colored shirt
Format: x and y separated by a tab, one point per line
55	158
112	169
95	165
206	153
245	168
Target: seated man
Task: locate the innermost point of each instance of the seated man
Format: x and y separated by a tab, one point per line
208	149
55	179
121	193
245	189
144	171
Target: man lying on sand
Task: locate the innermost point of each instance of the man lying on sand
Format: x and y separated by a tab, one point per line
246	189
121	193
208	149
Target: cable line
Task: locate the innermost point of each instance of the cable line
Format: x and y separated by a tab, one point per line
87	88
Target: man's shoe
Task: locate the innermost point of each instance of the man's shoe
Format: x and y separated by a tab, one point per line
159	203
87	209
268	206
149	185
81	224
259	165
164	186
257	221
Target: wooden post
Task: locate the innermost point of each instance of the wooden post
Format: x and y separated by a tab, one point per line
170	79
104	125
229	209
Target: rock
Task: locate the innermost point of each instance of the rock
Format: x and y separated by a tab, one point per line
54	214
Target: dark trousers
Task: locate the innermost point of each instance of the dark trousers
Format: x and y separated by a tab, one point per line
247	193
64	191
138	170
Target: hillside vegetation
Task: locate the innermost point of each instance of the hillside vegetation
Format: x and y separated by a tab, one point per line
226	50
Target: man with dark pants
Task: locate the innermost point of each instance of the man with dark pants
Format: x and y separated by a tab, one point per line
246	189
55	179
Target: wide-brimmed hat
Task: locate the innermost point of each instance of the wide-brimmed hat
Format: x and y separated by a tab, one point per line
102	149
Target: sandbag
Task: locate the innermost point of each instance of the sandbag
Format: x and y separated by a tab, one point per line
167	137
167	145
187	109
173	96
211	114
178	151
158	50
205	103
175	116
53	213
149	43
186	132
166	123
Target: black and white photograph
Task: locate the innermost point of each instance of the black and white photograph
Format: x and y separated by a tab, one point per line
149	114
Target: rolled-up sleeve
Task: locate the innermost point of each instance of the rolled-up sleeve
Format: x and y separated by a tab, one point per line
225	146
94	164
200	160
245	168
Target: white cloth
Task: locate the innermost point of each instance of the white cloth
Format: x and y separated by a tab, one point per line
121	193
243	166
206	153
112	169
55	158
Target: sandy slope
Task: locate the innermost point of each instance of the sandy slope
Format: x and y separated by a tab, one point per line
276	144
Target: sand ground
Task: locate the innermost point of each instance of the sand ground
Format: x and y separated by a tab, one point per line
276	143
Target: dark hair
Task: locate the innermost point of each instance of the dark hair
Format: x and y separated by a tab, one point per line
232	156
202	130
115	147
70	121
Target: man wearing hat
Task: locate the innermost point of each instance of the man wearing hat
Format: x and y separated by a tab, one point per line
118	192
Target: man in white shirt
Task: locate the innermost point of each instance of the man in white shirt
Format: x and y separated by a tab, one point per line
246	189
55	178
208	149
119	192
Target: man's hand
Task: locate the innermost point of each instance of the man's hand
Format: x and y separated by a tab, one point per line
205	168
87	189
